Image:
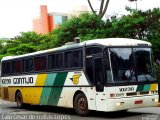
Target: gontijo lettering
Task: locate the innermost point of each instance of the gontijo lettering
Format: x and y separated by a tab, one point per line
23	80
20	80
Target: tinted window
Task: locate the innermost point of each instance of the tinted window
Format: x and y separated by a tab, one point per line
40	63
43	63
89	69
143	64
77	58
16	66
27	65
13	67
68	59
73	59
98	71
51	61
5	68
55	61
93	50
59	61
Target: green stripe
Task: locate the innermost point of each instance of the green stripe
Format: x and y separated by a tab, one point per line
56	91
146	87
140	88
47	90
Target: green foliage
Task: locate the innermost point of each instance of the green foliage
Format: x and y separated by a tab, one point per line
86	26
27	42
143	25
157	71
1	46
140	25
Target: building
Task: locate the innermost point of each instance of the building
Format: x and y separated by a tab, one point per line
49	21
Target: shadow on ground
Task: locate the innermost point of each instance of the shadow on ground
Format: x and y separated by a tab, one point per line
94	114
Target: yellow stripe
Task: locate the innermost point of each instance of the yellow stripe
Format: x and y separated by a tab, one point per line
41	79
33	94
153	87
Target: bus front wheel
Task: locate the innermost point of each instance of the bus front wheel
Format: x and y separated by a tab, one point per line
19	100
81	104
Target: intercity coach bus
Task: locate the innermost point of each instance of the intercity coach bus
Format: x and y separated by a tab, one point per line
114	74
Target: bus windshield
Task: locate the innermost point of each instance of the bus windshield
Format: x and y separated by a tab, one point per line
131	65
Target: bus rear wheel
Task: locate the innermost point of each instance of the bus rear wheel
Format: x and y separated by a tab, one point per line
19	100
81	105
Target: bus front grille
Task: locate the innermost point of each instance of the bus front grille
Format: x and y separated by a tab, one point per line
131	94
137	93
144	93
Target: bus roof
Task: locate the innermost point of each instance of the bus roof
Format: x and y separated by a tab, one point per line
119	42
107	42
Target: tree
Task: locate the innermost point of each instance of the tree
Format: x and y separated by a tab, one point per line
103	7
143	25
26	42
87	26
1	46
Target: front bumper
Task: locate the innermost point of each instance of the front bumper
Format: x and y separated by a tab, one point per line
118	104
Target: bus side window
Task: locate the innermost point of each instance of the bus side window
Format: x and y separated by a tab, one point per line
18	66
40	63
6	68
68	59
93	50
55	61
51	61
43	63
59	61
77	58
13	67
73	59
27	65
37	63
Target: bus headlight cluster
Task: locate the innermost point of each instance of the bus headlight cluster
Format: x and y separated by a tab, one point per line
120	103
155	100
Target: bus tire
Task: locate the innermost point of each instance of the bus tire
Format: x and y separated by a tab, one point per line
19	100
81	105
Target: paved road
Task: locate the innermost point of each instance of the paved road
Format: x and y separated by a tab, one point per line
8	110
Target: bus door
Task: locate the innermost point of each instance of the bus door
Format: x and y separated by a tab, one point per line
99	84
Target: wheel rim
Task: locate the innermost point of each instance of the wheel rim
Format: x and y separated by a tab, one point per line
82	104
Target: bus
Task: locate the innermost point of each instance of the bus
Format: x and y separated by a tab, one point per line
111	74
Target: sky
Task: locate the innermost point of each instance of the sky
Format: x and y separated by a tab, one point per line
16	15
